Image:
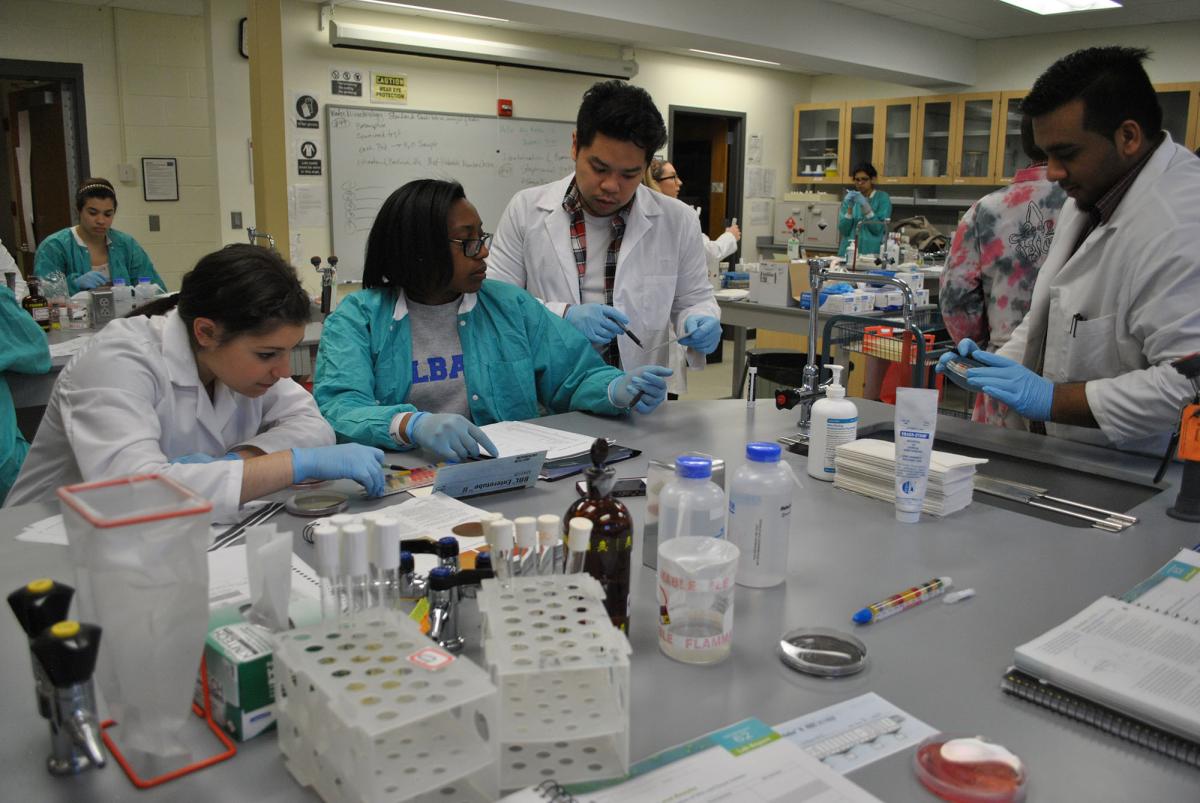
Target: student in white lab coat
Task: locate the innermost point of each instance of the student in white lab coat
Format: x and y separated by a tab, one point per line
201	394
662	176
606	252
1118	297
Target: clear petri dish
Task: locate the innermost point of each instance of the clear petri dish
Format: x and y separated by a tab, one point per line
317	503
970	769
823	652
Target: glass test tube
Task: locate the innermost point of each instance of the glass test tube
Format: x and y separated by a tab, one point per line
387	537
550	560
579	538
326	538
500	538
527	541
357	567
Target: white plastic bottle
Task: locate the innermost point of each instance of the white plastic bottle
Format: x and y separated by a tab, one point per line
760	509
793	245
834	422
122	295
691	503
144	291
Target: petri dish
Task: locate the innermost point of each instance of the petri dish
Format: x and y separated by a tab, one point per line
823	652
970	769
317	503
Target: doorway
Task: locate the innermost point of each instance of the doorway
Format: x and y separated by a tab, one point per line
45	152
708	149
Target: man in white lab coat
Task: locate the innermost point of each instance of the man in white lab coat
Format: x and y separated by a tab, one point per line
1118	297
606	252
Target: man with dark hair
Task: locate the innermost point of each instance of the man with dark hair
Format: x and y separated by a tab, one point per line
1118	297
608	253
994	260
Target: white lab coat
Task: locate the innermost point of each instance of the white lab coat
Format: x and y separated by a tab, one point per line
1136	282
131	400
662	272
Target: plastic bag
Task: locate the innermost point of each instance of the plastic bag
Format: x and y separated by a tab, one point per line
54	286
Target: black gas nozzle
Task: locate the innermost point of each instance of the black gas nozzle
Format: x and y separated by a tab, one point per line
39	604
67	651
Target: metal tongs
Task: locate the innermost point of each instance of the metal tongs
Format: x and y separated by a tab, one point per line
1034	496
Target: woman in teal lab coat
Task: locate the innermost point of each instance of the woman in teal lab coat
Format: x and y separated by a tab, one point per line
25	352
429	349
866	205
93	253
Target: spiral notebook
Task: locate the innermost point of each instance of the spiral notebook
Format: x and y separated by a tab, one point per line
1128	666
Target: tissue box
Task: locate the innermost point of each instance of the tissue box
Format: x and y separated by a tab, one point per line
769	284
241	683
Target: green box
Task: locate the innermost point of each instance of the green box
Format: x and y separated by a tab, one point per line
241	683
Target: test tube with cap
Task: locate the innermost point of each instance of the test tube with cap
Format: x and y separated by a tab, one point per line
579	537
327	539
387	538
549	544
500	539
527	541
357	569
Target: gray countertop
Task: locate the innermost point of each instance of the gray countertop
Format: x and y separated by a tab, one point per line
940	663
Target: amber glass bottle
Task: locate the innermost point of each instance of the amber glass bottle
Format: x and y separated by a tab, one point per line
37	306
612	536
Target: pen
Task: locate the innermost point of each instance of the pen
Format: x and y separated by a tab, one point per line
637	397
634	338
902	601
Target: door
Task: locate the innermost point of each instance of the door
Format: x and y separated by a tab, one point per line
1179	102
707	149
935	135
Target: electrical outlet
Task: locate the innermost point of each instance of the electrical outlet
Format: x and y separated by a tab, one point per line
154	223
235	220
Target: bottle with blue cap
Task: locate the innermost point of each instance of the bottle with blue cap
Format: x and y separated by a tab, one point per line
691	503
760	510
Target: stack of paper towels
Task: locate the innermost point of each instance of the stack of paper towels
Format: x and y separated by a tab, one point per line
868	467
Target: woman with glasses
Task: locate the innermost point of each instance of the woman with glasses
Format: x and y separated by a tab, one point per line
864	212
663	177
429	348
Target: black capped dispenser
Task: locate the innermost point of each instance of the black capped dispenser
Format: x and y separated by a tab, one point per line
611	544
38	605
67	651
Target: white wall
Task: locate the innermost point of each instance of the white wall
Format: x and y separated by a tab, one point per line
766	96
1015	63
146	82
230	106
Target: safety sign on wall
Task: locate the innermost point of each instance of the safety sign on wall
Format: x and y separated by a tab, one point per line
305	107
309	162
389	87
347	82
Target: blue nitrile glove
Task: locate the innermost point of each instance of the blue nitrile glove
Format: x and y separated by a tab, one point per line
1009	382
91	280
450	435
703	333
854	198
200	457
964	348
599	323
351	461
649	380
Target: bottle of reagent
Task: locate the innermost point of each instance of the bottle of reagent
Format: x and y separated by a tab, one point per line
760	508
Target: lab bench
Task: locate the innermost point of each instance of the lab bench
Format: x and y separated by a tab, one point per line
940	663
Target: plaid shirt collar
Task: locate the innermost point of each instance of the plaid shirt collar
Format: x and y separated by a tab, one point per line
1104	209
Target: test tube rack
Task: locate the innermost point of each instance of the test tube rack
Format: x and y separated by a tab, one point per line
370	711
563	674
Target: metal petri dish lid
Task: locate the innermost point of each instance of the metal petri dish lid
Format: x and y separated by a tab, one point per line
317	503
823	652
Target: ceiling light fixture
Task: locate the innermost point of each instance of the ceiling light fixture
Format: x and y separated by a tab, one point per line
1062	6
433	10
731	56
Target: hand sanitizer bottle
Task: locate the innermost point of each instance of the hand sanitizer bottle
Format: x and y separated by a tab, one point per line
834	422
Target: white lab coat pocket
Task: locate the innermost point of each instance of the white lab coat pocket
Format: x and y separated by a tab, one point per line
1092	350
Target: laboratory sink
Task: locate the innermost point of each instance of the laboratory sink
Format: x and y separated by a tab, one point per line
1117	491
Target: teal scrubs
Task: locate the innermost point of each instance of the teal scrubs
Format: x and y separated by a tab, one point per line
870	235
126	259
518	357
25	351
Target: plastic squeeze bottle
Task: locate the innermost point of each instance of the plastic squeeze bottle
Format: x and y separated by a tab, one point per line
834	422
760	509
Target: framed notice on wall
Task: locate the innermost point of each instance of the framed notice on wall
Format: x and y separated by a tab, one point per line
160	178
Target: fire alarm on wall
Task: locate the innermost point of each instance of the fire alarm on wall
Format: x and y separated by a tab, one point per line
504	107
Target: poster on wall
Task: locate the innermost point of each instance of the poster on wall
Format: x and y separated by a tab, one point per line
306	108
160	179
346	81
308	157
389	87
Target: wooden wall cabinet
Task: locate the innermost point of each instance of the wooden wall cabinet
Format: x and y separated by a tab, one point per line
817	156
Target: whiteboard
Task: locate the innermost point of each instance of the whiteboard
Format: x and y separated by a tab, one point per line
373	152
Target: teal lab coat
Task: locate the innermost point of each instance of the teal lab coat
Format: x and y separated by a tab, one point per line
25	351
870	235
518	358
126	259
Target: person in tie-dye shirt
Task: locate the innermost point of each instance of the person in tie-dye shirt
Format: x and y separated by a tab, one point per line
998	248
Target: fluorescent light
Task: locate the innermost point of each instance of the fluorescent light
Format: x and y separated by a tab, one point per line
434	10
1062	6
731	56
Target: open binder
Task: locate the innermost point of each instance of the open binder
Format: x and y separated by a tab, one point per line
1129	666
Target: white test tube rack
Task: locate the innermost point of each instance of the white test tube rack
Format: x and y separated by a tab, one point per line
361	719
563	674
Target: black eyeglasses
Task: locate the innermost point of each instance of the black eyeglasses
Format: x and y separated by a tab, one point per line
472	248
672	177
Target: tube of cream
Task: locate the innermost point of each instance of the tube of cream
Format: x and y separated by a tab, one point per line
916	422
